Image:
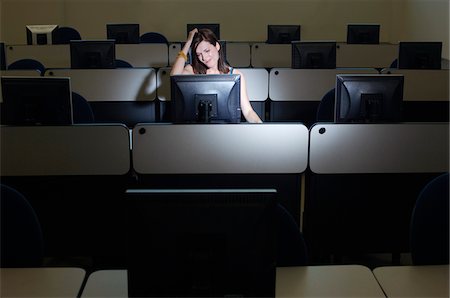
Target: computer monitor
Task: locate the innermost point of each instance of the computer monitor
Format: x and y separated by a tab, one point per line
40	34
201	242
419	55
282	34
205	98
92	54
367	98
123	33
214	27
363	33
36	100
314	54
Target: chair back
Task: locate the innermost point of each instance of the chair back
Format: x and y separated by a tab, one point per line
63	35
429	229
82	111
27	64
291	245
325	110
153	37
22	242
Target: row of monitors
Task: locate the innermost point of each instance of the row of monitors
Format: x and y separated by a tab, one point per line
276	34
100	54
360	98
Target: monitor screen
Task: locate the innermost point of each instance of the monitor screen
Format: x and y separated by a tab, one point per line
123	33
205	98
364	98
36	101
314	54
213	27
420	55
201	242
363	33
92	54
282	34
40	34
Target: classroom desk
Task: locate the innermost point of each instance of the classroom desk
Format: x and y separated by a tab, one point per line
41	282
413	281
308	281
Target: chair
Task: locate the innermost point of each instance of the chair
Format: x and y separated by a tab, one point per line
63	35
153	37
28	64
429	228
325	110
82	111
22	242
123	64
291	246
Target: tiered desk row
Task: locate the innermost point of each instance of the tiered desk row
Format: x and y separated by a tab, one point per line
68	168
307	281
239	54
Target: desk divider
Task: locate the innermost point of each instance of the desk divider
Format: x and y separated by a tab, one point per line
144	54
65	150
119	84
287	84
51	56
423	84
220	148
379	148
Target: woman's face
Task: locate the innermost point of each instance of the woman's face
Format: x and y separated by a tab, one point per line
208	54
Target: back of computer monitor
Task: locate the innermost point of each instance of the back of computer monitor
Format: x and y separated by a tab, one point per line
201	242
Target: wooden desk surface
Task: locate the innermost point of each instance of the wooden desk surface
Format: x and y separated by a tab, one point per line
41	282
308	281
414	281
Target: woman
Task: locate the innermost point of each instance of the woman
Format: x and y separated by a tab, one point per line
207	58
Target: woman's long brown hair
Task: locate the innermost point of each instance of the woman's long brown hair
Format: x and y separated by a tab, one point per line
209	36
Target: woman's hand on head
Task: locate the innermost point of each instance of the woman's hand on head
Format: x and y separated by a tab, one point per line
192	33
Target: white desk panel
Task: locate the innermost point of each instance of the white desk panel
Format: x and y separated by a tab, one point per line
424	84
52	56
271	55
163	83
379	148
414	281
65	150
257	83
287	84
220	148
327	281
257	80
238	54
174	49
366	55
308	281
144	54
41	282
120	84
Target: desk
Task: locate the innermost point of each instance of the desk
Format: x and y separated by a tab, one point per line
414	281
308	281
41	282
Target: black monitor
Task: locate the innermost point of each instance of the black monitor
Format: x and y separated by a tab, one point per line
92	54
40	34
419	55
123	33
36	101
206	98
366	98
314	54
201	242
282	34
214	27
363	33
